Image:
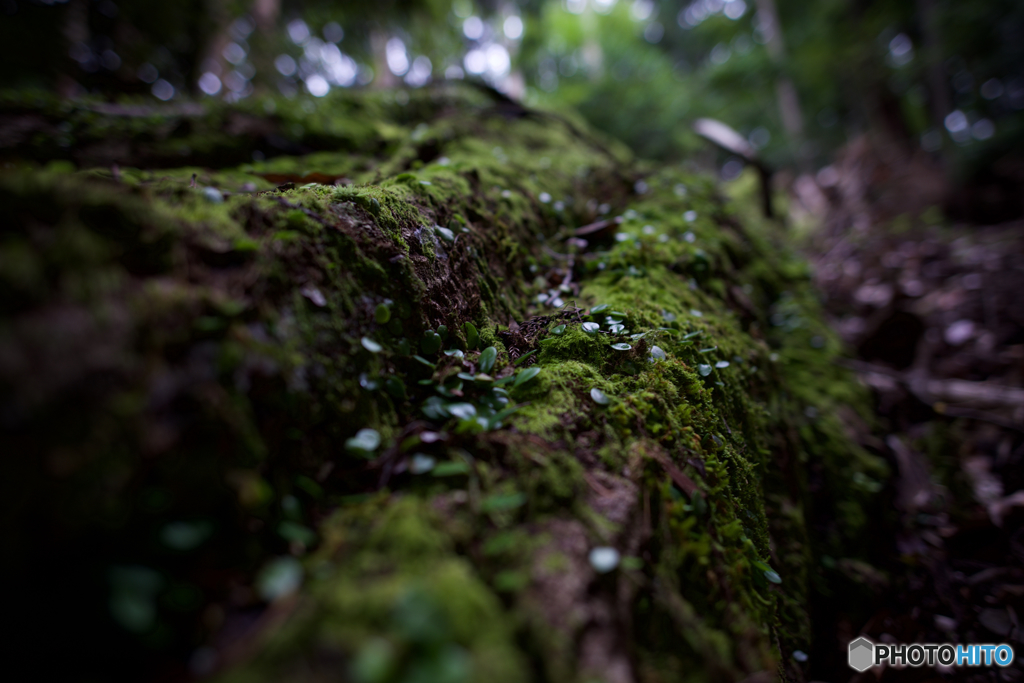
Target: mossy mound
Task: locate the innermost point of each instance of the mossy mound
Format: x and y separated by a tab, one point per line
409	426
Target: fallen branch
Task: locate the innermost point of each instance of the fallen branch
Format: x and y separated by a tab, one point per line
970	396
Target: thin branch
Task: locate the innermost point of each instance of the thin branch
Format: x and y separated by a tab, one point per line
936	393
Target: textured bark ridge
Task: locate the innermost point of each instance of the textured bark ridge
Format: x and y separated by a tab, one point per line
372	411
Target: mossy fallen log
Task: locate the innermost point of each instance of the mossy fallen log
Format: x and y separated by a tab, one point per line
376	413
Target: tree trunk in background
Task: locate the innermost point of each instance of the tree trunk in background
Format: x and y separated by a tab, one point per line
337	414
265	14
382	76
75	30
785	89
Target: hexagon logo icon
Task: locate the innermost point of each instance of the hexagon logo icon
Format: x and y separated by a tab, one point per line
862	654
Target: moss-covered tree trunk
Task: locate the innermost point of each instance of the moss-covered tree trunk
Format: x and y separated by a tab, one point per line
355	399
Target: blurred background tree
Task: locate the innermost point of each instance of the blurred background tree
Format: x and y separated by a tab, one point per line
932	77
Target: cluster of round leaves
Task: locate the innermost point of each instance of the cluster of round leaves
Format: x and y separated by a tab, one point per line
477	401
491	400
614	323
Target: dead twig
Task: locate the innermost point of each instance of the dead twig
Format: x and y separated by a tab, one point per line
969	396
599	226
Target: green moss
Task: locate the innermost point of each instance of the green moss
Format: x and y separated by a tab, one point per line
230	336
405	588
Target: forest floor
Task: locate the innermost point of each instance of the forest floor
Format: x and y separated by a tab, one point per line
933	312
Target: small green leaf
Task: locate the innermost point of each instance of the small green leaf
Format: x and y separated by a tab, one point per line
591	328
435	408
466	376
616	328
309	486
523	357
525	376
704	370
598	308
442	331
395	387
558	329
421	464
599	397
630	562
426	362
487	358
658	353
449	389
766	568
279	577
472	335
708	350
451	469
364	443
457	353
494	421
691	335
431	343
769	573
699	505
503	502
722	364
444	233
382	314
463	411
185	535
370	345
294	532
621	346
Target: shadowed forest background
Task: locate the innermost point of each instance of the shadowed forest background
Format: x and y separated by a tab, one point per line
890	136
799	81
